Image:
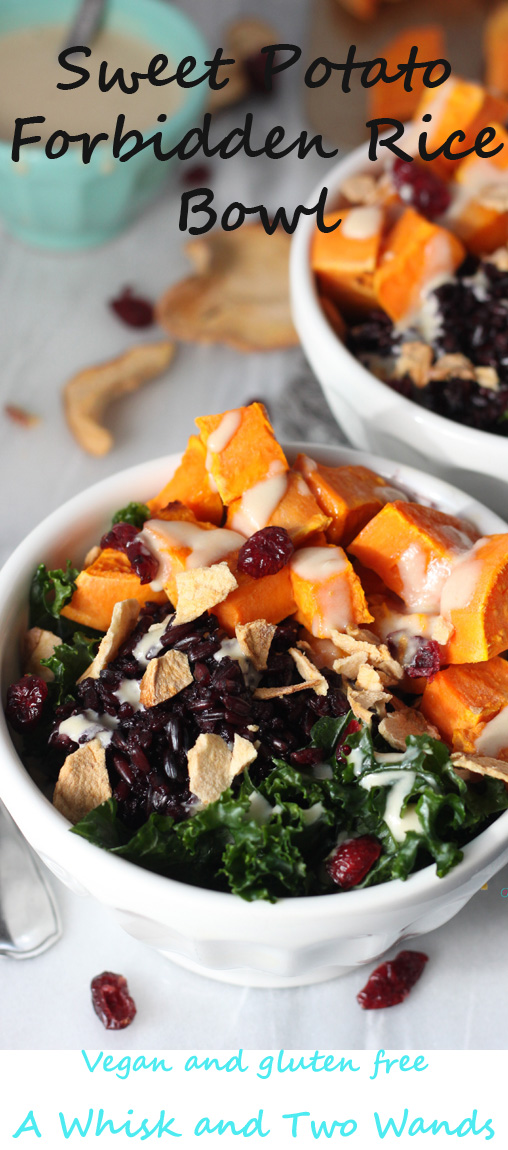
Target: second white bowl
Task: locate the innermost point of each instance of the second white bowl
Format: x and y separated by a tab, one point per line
374	417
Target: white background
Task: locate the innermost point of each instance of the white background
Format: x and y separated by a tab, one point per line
53	321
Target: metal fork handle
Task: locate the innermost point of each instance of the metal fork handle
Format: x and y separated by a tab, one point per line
86	23
29	919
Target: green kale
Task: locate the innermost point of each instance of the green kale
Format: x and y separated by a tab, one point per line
135	513
49	592
68	661
272	841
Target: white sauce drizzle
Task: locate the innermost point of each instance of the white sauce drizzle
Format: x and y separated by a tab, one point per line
362	223
261	810
401	784
90	724
318	564
151	642
322	771
423	584
220	438
459	589
312	814
129	692
494	737
258	504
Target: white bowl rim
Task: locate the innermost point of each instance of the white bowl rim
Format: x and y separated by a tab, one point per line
302	280
422	886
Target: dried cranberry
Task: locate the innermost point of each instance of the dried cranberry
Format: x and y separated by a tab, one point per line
422	189
255	67
122	537
391	982
142	561
111	1000
199	175
25	702
265	553
132	310
425	661
350	862
119	536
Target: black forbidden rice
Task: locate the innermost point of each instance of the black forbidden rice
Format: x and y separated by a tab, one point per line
147	755
473	322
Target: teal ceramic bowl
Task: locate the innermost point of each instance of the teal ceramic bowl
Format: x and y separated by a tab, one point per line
63	203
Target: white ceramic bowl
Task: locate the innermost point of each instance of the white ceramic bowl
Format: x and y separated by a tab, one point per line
295	941
374	417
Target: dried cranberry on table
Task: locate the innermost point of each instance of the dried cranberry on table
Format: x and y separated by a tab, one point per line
351	861
111	1000
25	702
391	982
265	553
197	176
132	310
421	188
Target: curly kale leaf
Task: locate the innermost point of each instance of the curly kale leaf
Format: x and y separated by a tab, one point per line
49	592
68	661
135	513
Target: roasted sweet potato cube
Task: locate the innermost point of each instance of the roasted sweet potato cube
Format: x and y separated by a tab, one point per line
344	261
349	495
270	598
416	251
475	601
479	213
241	449
464	703
297	510
327	591
362	9
459	104
191	485
413	548
496	50
392	100
109	580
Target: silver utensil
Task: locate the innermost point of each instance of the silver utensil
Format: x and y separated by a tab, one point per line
29	919
86	22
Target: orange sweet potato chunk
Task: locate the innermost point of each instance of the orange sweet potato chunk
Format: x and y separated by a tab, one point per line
243	449
461	700
482	228
344	261
412	549
107	581
496	50
298	512
349	495
391	99
458	104
416	251
191	485
269	598
362	9
476	602
327	591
